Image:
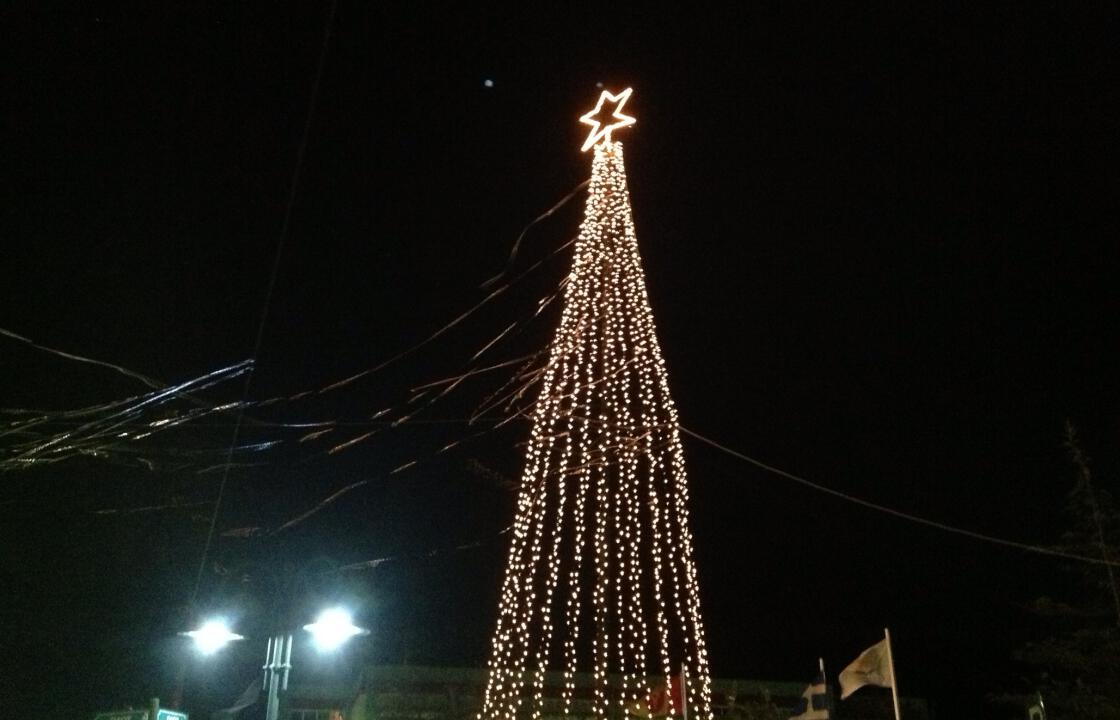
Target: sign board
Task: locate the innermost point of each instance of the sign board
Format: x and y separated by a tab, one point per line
122	715
140	715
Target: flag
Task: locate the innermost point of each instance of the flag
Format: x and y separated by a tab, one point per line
1038	710
677	697
661	701
813	704
872	667
248	698
655	704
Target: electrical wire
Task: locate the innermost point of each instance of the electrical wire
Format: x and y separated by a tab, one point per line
150	382
896	513
301	152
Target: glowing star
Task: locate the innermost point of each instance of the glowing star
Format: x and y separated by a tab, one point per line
601	132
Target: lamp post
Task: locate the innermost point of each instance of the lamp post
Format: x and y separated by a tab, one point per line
332	628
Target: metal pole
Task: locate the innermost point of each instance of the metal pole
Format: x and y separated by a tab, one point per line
287	664
272	708
267	660
827	693
894	678
684	691
180	681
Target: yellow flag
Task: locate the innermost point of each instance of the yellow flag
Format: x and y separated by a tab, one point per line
872	667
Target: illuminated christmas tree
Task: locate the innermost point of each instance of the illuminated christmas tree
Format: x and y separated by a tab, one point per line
600	605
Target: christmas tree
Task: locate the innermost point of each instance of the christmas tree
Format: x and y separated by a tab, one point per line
600	605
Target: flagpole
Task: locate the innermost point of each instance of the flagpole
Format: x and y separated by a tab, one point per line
684	691
827	692
894	678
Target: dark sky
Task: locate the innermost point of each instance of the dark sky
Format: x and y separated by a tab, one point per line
880	245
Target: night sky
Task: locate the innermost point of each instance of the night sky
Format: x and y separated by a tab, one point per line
880	246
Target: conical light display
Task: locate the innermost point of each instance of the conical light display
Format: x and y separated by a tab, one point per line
600	602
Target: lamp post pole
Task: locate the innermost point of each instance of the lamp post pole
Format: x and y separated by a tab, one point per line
277	665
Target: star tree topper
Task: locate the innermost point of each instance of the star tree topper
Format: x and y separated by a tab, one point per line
601	132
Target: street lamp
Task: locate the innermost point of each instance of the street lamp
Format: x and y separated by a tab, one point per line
212	636
330	630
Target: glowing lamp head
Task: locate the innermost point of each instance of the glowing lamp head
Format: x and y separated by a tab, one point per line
332	628
212	636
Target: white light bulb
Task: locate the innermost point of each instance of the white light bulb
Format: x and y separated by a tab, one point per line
212	636
333	628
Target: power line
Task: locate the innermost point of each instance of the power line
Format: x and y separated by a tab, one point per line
150	382
897	513
301	152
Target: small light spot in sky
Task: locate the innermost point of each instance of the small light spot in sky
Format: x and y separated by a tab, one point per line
488	83
599	85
